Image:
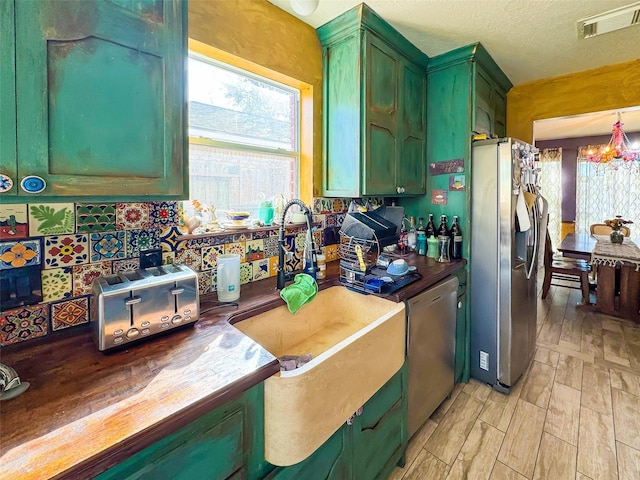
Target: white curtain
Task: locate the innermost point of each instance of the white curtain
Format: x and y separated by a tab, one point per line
551	188
602	193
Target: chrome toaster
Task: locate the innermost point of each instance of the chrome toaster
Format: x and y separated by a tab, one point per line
134	305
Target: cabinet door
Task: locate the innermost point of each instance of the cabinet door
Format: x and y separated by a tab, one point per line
411	162
7	98
381	117
330	461
100	96
485	113
381	431
500	110
209	448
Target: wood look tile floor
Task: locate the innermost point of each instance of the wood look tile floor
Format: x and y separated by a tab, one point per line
575	413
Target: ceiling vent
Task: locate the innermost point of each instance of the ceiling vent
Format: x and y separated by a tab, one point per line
609	21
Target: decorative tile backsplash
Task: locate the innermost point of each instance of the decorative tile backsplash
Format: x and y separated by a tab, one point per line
71	244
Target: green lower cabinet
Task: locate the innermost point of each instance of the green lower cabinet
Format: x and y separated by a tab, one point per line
226	443
380	433
368	449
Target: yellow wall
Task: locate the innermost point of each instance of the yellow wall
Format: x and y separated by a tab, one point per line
605	88
262	33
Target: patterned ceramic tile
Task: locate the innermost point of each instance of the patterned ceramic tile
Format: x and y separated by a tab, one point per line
95	217
331	252
83	276
107	246
66	250
13	222
290	243
271	247
338	205
326	205
255	250
189	257
238	248
258	234
331	220
128	265
294	230
69	313
132	216
204	282
317	205
138	240
214	280
317	238
23	253
340	219
168	258
169	238
210	256
23	323
294	263
246	271
299	241
321	219
273	266
163	214
242	237
56	284
51	219
201	242
260	269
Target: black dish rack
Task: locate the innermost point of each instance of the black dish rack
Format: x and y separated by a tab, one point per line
368	280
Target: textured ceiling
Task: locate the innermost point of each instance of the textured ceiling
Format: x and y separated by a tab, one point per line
529	39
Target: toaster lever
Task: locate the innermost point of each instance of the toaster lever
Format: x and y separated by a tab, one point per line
132	300
177	291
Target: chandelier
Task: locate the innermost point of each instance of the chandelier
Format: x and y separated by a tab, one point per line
617	153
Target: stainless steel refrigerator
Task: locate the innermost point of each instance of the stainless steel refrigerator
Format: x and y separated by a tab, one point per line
505	239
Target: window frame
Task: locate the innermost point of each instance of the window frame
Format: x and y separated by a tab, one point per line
303	155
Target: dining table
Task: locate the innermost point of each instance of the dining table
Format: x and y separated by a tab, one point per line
617	271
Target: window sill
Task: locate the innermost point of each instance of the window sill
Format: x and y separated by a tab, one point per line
289	228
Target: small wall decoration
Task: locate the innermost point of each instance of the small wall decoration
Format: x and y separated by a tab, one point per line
457	183
13	222
439	197
447	166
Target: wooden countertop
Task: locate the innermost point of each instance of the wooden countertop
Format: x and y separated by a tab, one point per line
86	411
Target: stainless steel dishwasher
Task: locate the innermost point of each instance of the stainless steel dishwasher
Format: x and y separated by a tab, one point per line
431	328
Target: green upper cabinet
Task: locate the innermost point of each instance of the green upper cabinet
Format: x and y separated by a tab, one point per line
466	93
99	98
374	121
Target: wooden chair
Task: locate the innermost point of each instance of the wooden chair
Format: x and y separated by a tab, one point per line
604	229
573	271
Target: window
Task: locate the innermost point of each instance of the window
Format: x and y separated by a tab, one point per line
243	136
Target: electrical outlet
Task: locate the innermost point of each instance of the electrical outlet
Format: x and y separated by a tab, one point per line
484	360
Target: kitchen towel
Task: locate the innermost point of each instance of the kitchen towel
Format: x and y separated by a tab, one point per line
301	291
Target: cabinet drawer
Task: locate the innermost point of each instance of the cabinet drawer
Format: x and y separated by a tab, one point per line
204	449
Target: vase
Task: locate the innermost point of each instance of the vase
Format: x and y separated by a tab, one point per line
616	236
